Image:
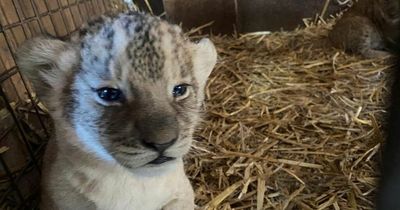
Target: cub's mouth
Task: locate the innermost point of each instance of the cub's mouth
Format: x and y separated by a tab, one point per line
161	159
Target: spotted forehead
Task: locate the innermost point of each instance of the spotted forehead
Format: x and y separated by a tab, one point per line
144	44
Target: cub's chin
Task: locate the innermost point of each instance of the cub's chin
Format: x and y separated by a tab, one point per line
151	161
152	169
136	161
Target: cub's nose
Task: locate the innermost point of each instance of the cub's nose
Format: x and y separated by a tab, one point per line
158	131
159	147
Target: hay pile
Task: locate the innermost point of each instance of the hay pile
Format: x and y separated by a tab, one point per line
291	124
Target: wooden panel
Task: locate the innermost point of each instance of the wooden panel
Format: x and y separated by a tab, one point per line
76	15
52	5
26	7
19	86
5	53
8	13
59	24
69	21
261	15
48	25
90	10
34	28
109	5
64	3
15	37
254	15
19	35
40	6
101	6
27	30
83	11
96	7
199	12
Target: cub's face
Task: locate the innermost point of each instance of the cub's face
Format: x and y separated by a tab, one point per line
130	89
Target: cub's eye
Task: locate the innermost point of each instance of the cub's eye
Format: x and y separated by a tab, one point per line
109	94
180	90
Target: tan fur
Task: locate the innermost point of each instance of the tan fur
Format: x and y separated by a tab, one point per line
100	157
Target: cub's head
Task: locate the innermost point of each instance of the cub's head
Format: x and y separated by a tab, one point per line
130	89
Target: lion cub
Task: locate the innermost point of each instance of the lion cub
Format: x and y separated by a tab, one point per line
125	100
369	28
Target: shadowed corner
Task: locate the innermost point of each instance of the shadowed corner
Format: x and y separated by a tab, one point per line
389	183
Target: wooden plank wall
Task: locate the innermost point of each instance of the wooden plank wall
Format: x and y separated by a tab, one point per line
245	15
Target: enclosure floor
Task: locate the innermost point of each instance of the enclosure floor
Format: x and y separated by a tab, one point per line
291	123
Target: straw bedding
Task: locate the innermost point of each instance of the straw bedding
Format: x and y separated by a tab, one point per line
291	123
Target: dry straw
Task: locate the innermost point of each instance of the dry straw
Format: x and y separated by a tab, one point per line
291	123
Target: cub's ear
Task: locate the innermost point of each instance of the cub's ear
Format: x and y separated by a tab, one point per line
46	62
204	60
